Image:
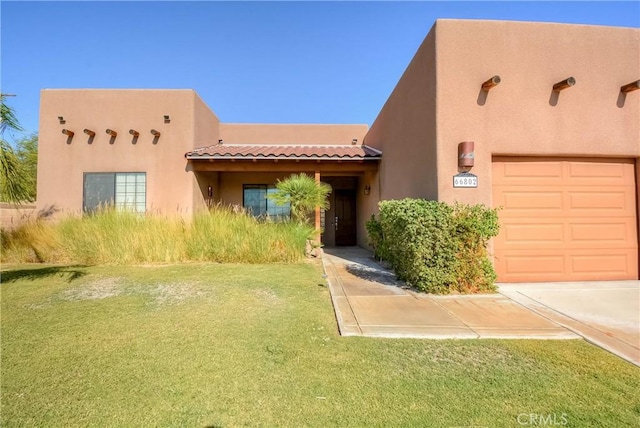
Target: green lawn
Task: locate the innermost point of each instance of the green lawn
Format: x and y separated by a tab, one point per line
204	345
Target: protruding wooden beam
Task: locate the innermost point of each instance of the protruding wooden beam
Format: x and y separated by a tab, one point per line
68	133
89	132
111	132
494	81
630	87
134	133
566	83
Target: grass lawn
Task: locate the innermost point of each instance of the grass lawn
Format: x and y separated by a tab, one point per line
217	345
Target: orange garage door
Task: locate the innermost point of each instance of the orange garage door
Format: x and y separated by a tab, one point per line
565	219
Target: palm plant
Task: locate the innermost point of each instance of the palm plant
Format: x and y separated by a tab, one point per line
303	194
8	118
13	186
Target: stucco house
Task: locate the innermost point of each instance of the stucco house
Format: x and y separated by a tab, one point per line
552	111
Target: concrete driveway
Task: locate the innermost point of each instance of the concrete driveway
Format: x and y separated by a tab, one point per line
605	313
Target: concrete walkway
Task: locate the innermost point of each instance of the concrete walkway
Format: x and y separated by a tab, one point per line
370	301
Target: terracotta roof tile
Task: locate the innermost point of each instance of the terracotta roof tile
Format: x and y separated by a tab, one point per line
253	151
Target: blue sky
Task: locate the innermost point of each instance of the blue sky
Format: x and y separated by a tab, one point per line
263	62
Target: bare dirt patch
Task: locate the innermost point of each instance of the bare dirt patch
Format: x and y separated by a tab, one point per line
101	288
176	292
268	296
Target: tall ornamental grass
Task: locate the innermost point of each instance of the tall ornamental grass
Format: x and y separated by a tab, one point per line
110	237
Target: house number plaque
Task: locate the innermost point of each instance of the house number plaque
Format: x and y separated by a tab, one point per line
465	179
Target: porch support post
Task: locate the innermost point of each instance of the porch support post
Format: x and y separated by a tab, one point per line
317	223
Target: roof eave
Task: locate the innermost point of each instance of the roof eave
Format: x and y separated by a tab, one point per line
325	158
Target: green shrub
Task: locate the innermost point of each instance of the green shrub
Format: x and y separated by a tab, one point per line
376	238
436	247
475	225
110	237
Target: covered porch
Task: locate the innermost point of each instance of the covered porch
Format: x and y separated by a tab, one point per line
243	175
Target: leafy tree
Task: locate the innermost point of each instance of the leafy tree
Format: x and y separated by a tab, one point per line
14	185
303	195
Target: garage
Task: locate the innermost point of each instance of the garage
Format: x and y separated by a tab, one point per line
565	219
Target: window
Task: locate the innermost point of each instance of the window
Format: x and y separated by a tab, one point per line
127	191
131	191
255	200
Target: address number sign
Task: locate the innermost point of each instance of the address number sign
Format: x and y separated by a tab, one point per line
465	179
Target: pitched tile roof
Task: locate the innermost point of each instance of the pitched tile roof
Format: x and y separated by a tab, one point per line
254	151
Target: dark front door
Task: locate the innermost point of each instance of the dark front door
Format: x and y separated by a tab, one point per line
345	221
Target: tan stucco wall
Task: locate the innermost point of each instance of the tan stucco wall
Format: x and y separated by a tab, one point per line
61	165
366	205
14	215
247	133
206	131
438	102
405	131
518	117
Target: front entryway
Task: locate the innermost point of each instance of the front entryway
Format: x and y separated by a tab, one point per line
345	218
339	222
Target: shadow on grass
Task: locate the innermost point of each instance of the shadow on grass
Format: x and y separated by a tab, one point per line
70	272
